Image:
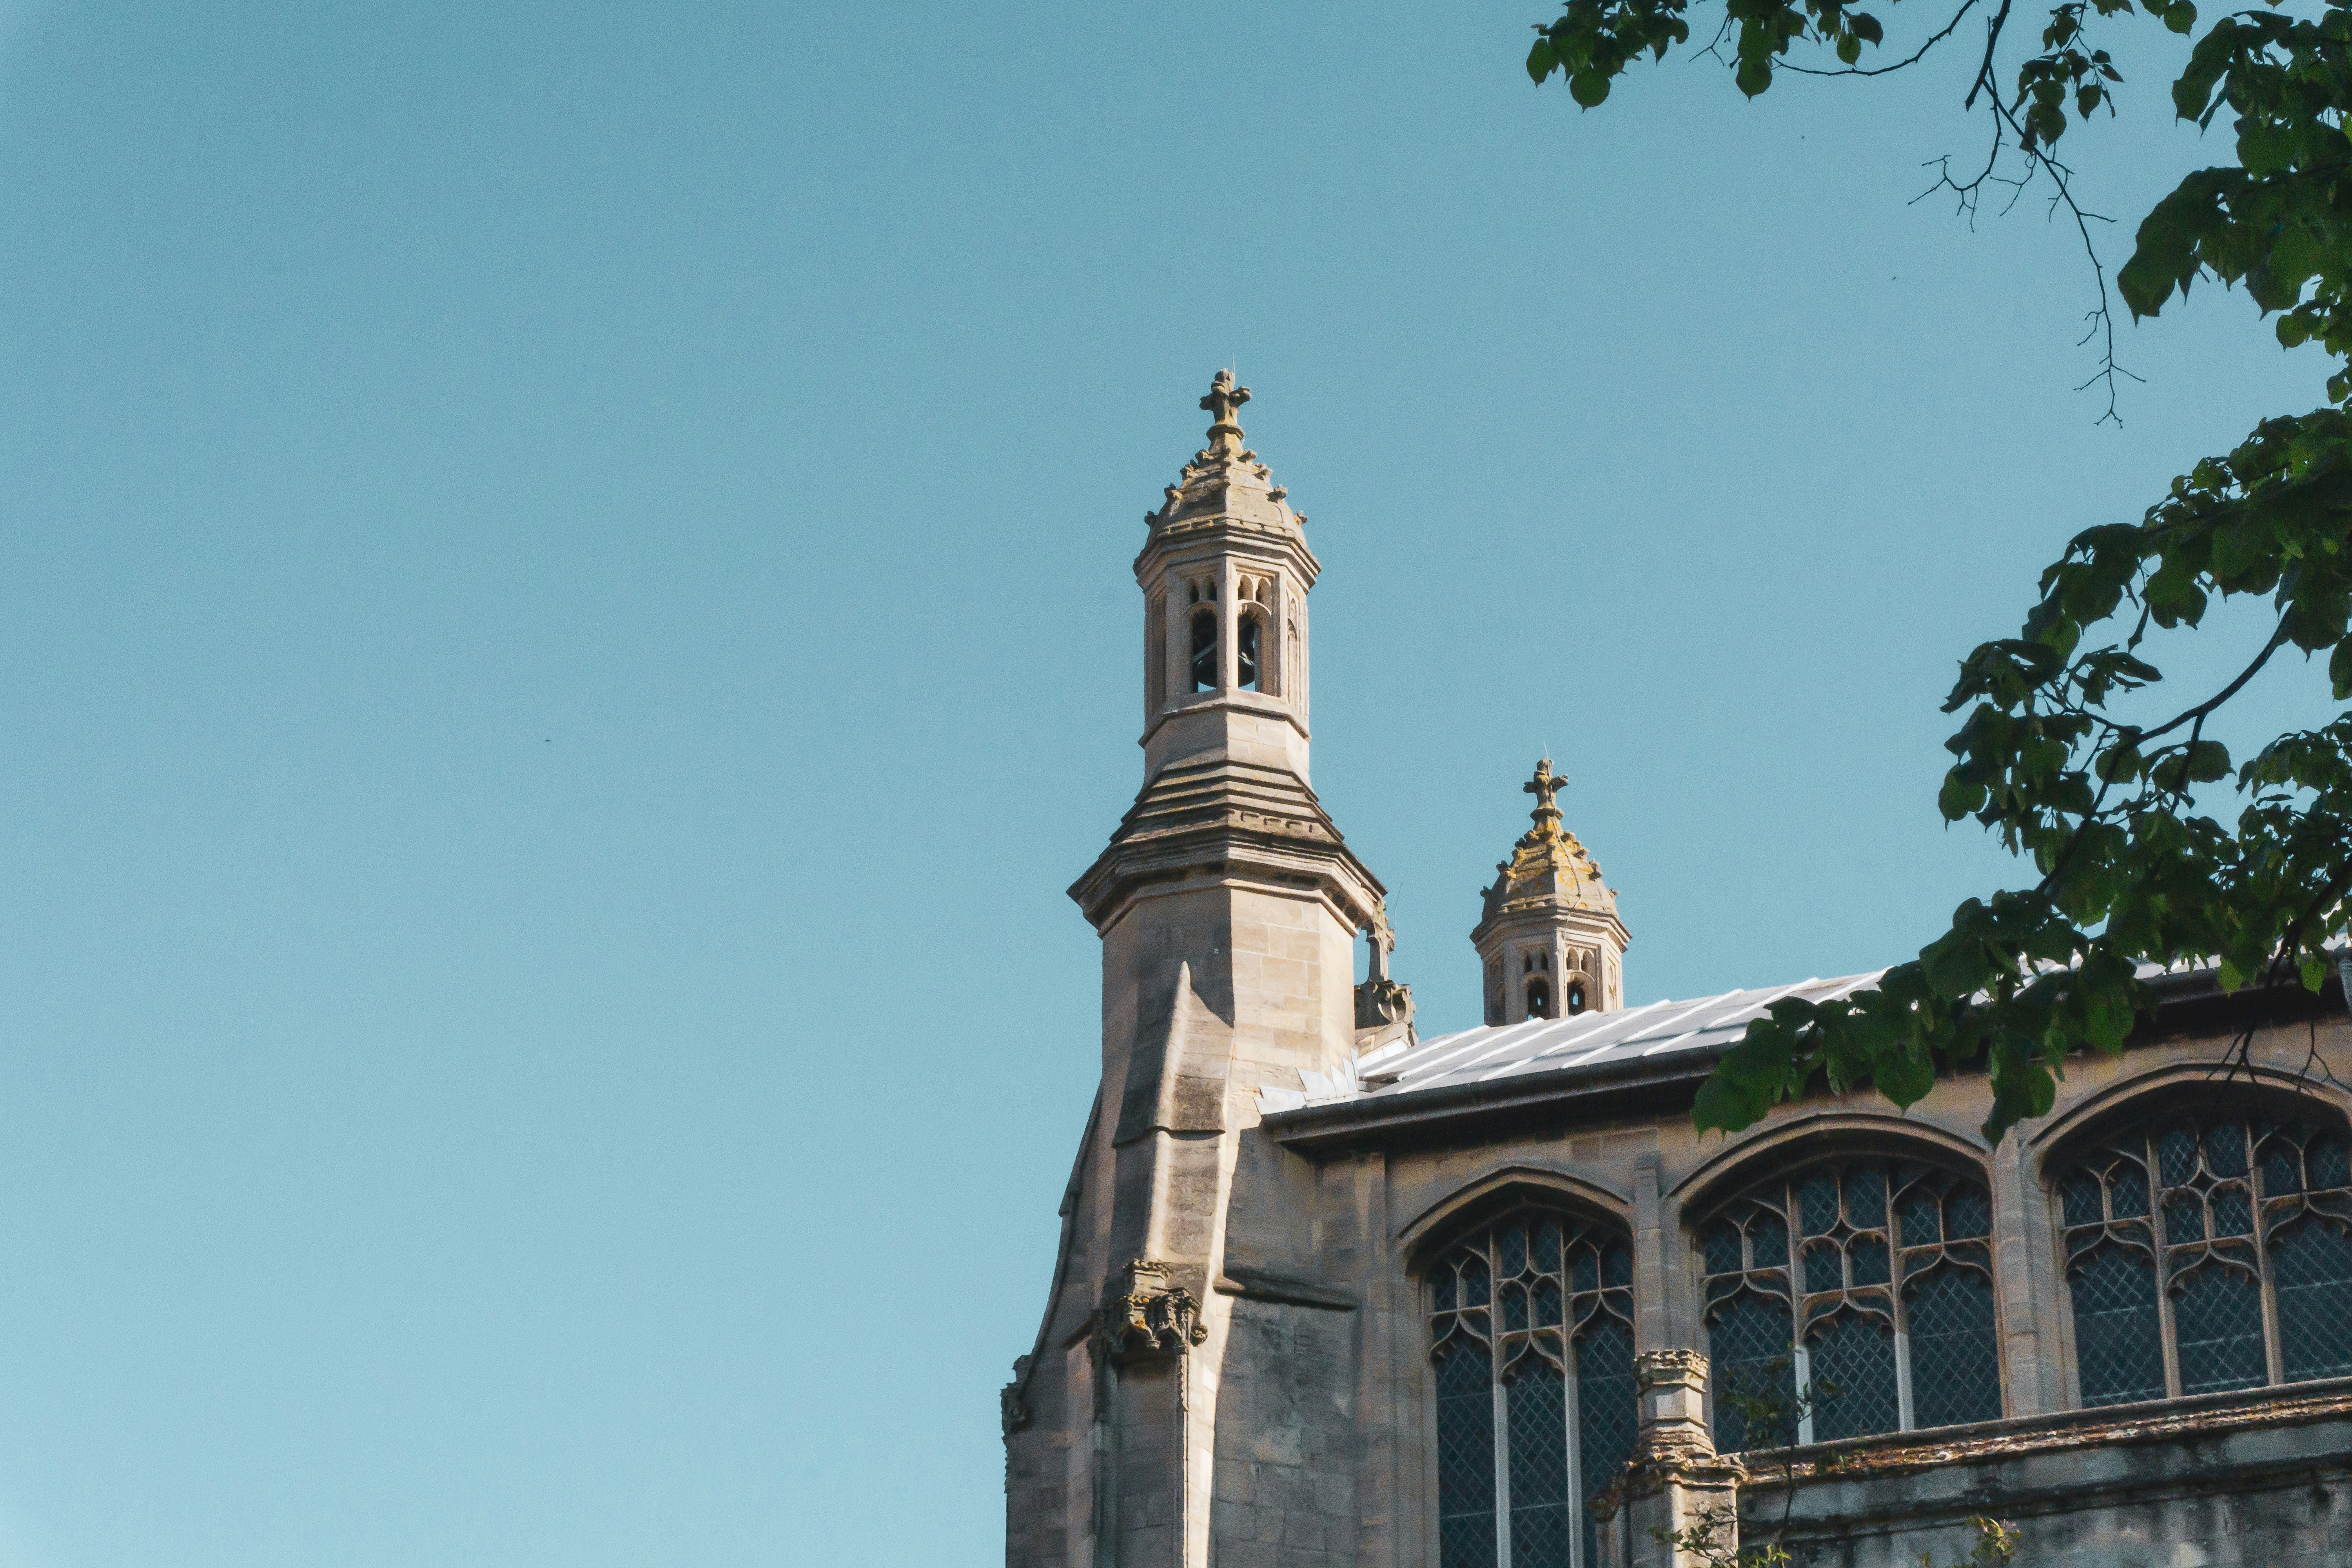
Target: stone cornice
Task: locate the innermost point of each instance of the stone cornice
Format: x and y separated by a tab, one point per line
1224	821
1226	533
2204	1416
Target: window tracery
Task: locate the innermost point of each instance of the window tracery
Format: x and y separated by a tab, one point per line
1531	1331
2249	1225
1867	1282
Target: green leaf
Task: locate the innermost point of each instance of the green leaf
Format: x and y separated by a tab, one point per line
2180	17
2207	761
1588	88
1849	49
1957	965
1959	796
1542	59
1904	1079
1753	76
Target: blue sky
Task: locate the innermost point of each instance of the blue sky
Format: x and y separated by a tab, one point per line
565	607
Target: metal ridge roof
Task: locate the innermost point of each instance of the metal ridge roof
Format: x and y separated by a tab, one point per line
1496	1060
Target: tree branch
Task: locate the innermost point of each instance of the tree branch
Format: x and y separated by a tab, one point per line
1937	37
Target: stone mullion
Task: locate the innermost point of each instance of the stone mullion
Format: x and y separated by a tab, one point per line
2158	1235
1502	1402
1906	1416
2026	1250
2273	1357
1228	628
1274	647
1179	641
1576	1499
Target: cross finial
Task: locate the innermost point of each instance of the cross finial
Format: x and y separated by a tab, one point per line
1544	786
1224	400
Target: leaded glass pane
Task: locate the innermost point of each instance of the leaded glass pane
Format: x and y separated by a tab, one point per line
1823	1268
1854	1390
1548	1246
2128	1191
2176	1156
1513	1298
2233	1210
1865	1197
1719	1245
2118	1350
2078	1198
1968	1212
1585	1272
1768	1242
1606	1415
1817	1202
1551	1278
1955	1359
1890	1220
2311	1266
2281	1168
1918	1217
2238	1196
1750	1345
2217	1314
1465	1458
1537	1419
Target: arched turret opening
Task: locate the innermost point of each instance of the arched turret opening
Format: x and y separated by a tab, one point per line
1248	640
1204	649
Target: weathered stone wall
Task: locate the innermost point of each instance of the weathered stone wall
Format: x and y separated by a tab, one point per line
2260	1478
1314	1386
1286	1439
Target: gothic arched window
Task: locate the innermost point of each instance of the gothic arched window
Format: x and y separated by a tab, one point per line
1204	650
1577	1003
1881	1308
1538	997
2250	1223
1245	652
1531	1329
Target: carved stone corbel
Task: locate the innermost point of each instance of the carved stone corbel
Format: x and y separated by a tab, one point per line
1011	1408
1144	1314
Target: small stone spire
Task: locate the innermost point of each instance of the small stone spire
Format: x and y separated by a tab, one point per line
1549	941
1224	401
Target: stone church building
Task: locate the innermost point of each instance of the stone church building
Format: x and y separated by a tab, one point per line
1332	1294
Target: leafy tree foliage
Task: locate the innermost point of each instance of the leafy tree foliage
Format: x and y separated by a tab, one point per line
2133	872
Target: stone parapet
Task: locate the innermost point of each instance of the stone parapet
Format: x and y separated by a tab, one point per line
2228	1481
